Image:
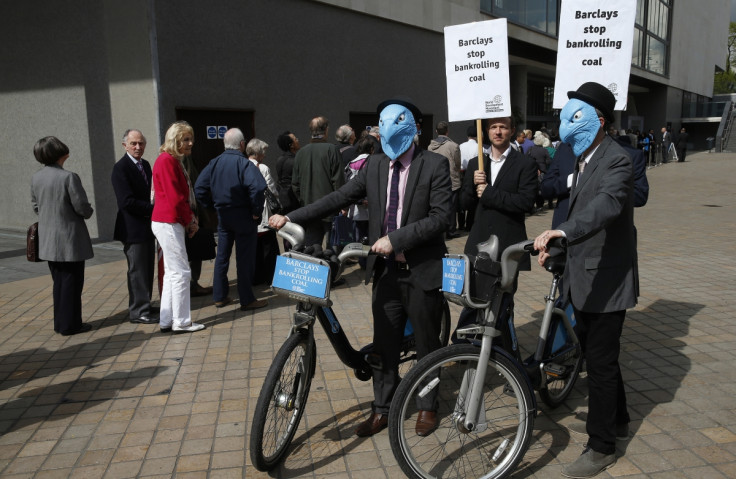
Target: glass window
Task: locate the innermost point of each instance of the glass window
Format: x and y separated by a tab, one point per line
540	15
656	52
636	49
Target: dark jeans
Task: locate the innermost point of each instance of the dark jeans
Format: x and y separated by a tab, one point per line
600	335
68	279
236	226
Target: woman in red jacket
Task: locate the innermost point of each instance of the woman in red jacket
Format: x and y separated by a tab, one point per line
172	218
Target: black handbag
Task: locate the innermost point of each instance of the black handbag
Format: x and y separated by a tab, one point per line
32	244
273	203
343	231
201	246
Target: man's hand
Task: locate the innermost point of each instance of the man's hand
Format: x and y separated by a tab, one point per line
479	177
277	221
540	244
480	189
382	246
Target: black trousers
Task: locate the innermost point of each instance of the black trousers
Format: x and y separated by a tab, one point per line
396	297
600	338
68	279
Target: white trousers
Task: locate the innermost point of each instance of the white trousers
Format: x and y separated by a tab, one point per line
175	307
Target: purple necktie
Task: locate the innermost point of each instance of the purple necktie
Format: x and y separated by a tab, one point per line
139	164
393	199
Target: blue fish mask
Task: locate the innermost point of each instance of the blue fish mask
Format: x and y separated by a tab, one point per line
397	128
579	125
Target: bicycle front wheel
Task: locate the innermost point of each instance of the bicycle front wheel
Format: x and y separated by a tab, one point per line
504	423
282	401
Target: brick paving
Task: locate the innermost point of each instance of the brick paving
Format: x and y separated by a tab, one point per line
128	401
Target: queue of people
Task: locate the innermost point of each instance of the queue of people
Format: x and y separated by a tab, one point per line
406	221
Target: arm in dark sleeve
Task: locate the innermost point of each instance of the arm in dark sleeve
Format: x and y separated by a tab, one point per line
554	183
203	189
124	195
641	184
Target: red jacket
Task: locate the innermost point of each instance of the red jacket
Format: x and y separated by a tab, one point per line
171	202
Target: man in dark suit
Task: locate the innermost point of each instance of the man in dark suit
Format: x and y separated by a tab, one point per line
500	196
601	278
131	180
409	200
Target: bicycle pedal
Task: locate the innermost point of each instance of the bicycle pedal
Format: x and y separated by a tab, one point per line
555	370
507	390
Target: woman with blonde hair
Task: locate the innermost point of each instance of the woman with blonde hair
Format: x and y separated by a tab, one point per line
173	217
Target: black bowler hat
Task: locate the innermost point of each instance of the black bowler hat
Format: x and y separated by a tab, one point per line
598	96
403	101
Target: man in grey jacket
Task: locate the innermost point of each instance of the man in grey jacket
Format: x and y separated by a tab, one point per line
601	276
450	150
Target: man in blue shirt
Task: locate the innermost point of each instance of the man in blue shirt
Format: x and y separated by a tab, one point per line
235	188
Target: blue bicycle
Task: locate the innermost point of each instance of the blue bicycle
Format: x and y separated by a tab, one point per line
307	278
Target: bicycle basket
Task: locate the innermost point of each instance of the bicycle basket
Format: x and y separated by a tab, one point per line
302	277
470	283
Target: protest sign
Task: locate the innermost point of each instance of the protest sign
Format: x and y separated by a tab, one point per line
595	42
477	68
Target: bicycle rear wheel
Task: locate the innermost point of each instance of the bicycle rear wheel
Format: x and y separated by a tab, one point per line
282	401
504	426
560	372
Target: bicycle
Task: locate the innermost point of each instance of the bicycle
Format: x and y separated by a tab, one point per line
283	398
484	390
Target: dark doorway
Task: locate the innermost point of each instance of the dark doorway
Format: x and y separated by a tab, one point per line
362	121
201	119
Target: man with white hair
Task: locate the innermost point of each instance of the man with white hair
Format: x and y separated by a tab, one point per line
345	137
235	188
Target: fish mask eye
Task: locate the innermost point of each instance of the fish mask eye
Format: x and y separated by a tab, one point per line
578	115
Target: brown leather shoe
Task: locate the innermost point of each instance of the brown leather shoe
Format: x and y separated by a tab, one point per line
375	423
426	423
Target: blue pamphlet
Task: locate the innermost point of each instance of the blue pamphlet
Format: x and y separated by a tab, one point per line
303	277
453	275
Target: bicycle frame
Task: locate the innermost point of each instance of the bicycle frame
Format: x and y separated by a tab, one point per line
498	334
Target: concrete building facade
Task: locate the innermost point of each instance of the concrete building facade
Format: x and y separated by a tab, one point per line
87	70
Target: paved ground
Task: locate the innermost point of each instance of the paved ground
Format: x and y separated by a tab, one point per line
125	400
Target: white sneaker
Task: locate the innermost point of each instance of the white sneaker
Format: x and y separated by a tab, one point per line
188	329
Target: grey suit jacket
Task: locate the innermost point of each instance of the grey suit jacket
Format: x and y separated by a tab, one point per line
424	217
61	204
601	275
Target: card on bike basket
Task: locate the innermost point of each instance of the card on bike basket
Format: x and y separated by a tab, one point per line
453	275
302	275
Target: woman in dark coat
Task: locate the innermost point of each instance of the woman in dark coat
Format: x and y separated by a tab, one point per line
61	204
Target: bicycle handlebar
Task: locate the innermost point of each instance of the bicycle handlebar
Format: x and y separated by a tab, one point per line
512	255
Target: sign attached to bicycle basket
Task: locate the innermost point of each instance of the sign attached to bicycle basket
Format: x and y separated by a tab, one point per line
453	275
301	277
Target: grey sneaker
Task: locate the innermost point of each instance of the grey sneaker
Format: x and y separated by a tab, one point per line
578	429
589	464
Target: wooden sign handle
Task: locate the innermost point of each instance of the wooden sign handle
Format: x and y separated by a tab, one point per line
479	131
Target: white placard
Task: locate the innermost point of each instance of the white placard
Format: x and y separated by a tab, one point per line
595	42
477	68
